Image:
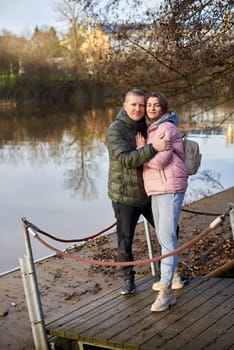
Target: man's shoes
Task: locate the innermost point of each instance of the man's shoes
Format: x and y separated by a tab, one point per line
164	300
128	287
178	282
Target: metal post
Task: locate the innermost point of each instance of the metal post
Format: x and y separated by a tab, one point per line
149	244
231	215
32	296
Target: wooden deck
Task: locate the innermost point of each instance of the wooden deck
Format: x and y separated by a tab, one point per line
203	318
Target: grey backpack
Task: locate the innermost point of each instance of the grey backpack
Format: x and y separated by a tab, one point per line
192	155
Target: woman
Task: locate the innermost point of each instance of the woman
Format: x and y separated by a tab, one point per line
165	180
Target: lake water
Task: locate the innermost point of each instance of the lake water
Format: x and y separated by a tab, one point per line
54	172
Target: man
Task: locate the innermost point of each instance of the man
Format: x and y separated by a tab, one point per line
125	182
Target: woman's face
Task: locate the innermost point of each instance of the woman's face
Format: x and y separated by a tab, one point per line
153	108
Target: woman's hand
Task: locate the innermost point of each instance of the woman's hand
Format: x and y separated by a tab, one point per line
162	143
140	141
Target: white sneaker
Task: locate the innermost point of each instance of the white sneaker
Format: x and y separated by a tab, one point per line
164	299
177	283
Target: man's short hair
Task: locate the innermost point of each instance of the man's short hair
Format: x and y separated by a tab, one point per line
135	92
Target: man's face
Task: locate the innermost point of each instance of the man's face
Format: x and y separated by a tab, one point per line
135	107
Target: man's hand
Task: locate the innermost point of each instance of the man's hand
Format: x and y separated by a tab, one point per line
162	143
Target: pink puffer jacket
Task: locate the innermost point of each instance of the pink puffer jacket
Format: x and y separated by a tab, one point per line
166	171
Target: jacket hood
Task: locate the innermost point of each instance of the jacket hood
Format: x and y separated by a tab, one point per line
171	117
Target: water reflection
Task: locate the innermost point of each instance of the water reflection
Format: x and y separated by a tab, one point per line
72	139
54	169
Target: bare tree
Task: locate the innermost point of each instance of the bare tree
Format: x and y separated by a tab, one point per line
183	47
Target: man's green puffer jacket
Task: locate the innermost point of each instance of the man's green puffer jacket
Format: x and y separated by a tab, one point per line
125	182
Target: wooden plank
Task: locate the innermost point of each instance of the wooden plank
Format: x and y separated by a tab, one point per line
137	321
83	307
215	323
151	323
129	311
126	322
210	334
110	313
125	317
93	311
194	317
224	340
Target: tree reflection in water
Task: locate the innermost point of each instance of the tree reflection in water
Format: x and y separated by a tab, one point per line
206	182
82	179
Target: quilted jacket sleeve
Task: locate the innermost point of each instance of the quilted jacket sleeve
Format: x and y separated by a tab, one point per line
162	159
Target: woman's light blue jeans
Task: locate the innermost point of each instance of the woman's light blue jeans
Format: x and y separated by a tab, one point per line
166	211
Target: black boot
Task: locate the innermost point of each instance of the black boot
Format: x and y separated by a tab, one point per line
129	286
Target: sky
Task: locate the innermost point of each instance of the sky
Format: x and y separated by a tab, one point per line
20	17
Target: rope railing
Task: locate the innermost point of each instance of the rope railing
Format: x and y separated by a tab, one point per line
29	277
34	230
51	236
199	212
76	239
